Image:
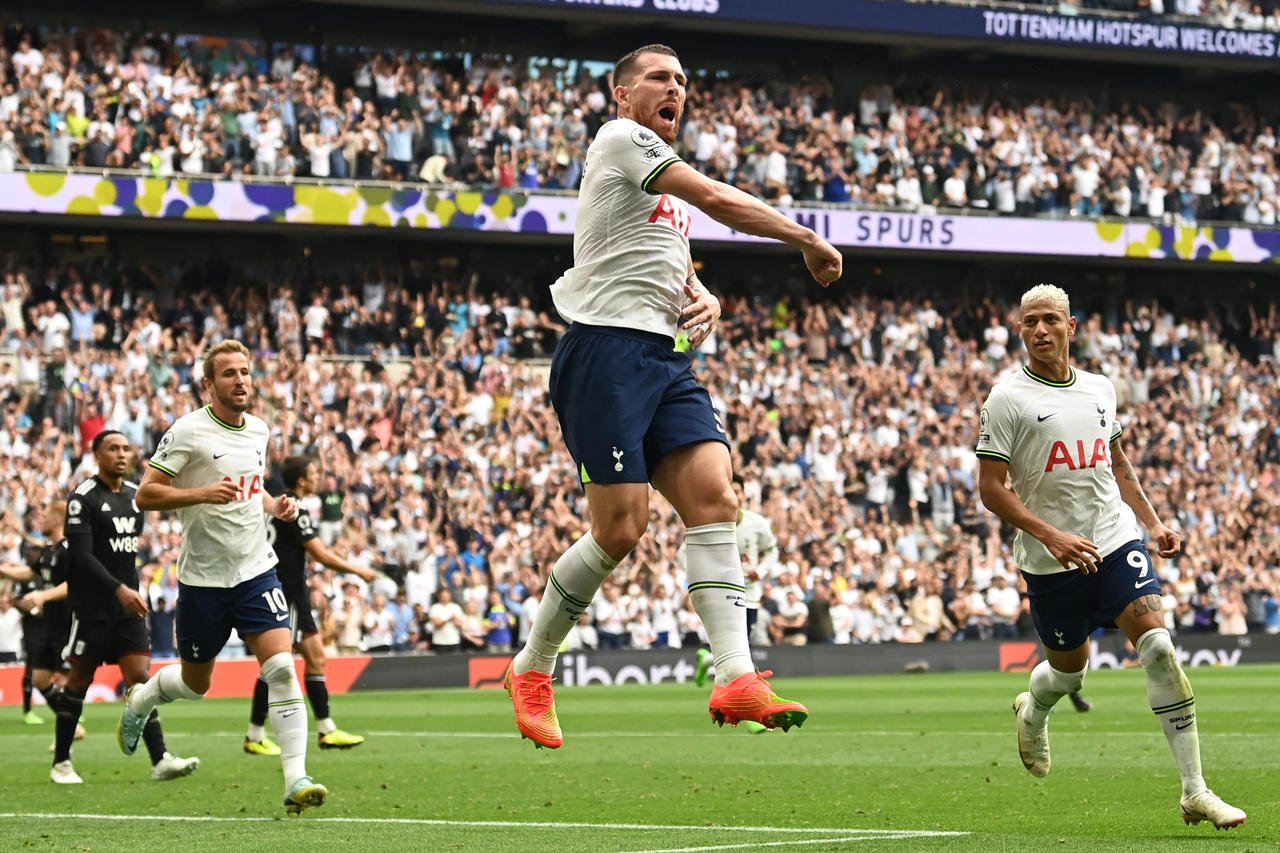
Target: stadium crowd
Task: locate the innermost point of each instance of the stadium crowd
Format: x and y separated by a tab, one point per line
852	423
96	98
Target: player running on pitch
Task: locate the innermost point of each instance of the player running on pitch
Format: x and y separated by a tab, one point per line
1052	466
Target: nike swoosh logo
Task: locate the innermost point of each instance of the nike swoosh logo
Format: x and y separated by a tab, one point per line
1040	418
219	455
1144	583
282	617
1183	726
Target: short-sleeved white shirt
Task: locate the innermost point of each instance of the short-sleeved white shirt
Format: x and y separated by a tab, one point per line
630	247
758	548
756	542
1056	438
222	544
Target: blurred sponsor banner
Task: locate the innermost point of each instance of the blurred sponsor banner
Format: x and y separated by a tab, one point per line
181	199
943	20
233	677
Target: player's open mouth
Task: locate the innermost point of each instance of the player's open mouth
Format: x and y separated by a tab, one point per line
668	112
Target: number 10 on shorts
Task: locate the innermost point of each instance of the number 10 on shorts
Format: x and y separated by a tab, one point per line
275	600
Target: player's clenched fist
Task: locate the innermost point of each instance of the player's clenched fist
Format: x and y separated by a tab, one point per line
221	492
286	508
824	261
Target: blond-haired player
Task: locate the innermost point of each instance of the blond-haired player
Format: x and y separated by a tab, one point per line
1051	465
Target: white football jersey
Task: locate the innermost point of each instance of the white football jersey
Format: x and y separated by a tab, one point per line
630	248
222	544
1056	438
758	549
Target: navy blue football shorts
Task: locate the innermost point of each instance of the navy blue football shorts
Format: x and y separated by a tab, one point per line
626	399
1066	607
206	614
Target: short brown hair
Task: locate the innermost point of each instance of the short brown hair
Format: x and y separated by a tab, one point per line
293	469
626	66
229	345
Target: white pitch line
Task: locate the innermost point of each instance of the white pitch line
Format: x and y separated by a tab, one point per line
712	732
905	834
499	824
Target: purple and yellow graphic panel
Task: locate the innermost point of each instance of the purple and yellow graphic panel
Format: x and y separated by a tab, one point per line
519	213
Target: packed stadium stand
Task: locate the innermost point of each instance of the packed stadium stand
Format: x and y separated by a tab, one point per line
411	360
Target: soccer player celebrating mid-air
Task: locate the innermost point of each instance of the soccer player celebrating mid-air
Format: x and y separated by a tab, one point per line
1052	466
294	540
109	615
210	466
631	412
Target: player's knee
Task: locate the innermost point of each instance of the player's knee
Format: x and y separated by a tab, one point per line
77	684
1155	650
136	674
621	535
197	686
1069	682
720	504
278	669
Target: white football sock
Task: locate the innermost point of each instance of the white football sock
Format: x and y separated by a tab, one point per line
326	725
718	593
1048	685
573	581
162	688
288	715
1171	699
255	733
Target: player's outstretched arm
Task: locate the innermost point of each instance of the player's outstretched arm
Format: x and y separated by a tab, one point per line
746	213
14	571
1072	551
39	598
326	556
156	492
1168	541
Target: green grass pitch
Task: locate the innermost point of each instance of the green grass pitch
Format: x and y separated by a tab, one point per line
897	763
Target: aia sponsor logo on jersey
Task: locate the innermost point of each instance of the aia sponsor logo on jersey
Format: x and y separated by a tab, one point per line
672	211
1077	457
248	488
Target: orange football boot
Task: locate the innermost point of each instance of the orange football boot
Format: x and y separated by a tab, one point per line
750	698
535	705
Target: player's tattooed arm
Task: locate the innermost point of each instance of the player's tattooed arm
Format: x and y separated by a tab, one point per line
1130	489
1168	542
